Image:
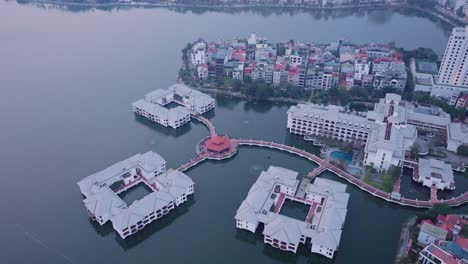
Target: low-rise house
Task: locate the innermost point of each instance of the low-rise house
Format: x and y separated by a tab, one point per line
452	223
462	101
430	233
433	254
202	71
198	54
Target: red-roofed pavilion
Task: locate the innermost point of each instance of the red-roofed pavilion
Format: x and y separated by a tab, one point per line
218	144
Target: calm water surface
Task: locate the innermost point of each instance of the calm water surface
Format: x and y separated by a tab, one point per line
67	80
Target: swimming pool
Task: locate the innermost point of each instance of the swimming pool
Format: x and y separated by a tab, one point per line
340	155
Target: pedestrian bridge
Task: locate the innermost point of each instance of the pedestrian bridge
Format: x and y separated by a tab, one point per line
325	166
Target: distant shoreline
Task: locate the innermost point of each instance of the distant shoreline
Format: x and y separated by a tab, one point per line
449	20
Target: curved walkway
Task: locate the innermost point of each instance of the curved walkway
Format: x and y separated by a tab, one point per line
206	122
351	179
323	166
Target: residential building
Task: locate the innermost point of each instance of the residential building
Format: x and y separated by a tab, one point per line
461	101
433	254
198	53
429	233
361	68
454	68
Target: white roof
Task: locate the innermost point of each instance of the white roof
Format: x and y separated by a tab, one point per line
191	97
148	162
259	193
247	212
175	182
104	204
285	229
172	114
401	139
157	94
458	132
433	115
433	168
382	110
140	209
194	97
326	227
335	191
330	239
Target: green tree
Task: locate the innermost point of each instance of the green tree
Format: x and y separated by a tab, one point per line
440	138
185	51
414	151
437	209
460	12
464	231
462	150
236	85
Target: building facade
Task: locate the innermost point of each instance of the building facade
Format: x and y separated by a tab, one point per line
323	225
168	190
454	67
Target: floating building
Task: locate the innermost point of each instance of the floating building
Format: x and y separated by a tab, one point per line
191	102
174	117
326	202
436	172
181	94
101	190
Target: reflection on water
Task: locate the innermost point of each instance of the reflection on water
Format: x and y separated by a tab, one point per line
377	15
415	190
258	107
299	142
226	102
149	230
168	131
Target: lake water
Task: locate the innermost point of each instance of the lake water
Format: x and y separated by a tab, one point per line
67	81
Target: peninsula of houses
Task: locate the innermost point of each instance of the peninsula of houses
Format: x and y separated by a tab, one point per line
305	65
395	133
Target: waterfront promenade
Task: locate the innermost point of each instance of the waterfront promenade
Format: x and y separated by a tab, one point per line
322	167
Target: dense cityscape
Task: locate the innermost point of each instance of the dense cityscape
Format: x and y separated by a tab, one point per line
395	134
329	140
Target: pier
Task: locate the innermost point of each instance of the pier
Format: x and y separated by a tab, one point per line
227	152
